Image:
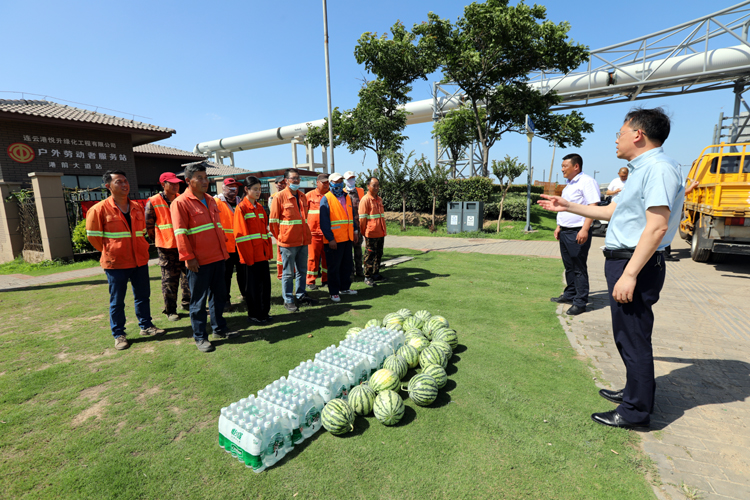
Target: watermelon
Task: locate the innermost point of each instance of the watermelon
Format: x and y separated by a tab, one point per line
404	313
418	343
438	373
397	365
338	417
361	399
422	316
443	346
441	320
423	389
373	322
389	408
389	316
432	355
412	323
447	335
411	332
433	326
383	380
394	325
353	331
410	355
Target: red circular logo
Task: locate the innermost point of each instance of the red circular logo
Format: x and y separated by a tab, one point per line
21	152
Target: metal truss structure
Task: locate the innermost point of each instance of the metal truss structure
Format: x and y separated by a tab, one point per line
444	100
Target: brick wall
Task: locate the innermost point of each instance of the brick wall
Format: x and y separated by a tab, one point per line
71	151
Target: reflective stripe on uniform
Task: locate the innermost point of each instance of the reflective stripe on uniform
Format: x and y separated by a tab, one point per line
199	229
249	237
122	234
341	222
273	221
312	273
290	222
251	215
164	226
313	211
94	233
177	232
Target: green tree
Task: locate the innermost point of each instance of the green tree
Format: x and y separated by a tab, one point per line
456	131
489	53
400	177
509	168
435	178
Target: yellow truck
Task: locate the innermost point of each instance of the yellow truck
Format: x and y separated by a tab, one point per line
716	218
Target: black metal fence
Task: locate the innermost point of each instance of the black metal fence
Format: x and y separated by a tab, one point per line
28	220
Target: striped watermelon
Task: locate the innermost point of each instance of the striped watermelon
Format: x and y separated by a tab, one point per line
404	313
431	355
433	326
441	320
418	343
353	331
422	316
449	336
361	399
436	372
388	408
412	332
383	380
410	355
337	417
394	324
412	323
443	346
373	322
390	316
423	389
397	365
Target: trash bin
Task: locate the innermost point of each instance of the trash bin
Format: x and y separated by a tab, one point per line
455	216
473	216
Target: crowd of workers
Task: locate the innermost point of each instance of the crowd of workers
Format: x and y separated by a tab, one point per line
202	241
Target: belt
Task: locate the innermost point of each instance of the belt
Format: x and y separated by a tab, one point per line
622	253
564	228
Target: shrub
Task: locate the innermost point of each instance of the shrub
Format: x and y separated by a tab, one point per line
80	240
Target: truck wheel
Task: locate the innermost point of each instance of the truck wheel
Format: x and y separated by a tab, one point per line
685	236
698	250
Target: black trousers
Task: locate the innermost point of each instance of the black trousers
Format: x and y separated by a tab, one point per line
574	257
632	325
257	290
339	267
374	248
232	263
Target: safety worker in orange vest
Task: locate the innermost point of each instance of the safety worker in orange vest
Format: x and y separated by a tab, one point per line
161	233
372	227
117	228
337	224
255	250
280	183
227	202
201	242
289	226
356	194
316	258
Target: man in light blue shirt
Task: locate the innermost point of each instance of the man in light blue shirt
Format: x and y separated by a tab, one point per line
643	222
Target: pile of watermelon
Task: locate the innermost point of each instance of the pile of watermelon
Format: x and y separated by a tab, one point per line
429	345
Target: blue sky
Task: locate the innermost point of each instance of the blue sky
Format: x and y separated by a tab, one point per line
224	68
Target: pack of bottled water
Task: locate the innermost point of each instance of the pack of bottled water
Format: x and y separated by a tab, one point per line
261	429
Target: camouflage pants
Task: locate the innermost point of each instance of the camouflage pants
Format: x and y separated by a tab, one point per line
374	252
357	269
173	273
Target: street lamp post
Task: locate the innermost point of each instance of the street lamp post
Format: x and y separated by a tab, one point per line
328	82
529	136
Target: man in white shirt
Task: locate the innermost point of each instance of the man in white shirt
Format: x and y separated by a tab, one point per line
617	184
573	232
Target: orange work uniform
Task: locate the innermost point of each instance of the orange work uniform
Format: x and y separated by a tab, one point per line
198	229
371	217
122	246
316	257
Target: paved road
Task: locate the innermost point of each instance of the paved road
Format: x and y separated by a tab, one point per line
700	433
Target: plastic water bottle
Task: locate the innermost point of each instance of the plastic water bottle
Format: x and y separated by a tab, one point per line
311	405
223	429
254	455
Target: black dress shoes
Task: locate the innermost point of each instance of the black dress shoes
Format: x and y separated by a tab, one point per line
613	419
614	396
561	300
575	310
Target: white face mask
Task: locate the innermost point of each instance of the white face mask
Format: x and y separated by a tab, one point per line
350	183
294	187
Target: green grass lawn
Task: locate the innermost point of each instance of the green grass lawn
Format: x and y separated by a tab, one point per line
19	266
81	420
542	222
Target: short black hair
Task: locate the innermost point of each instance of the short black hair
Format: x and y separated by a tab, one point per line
107	177
654	123
191	169
371	178
251	181
575	159
290	171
